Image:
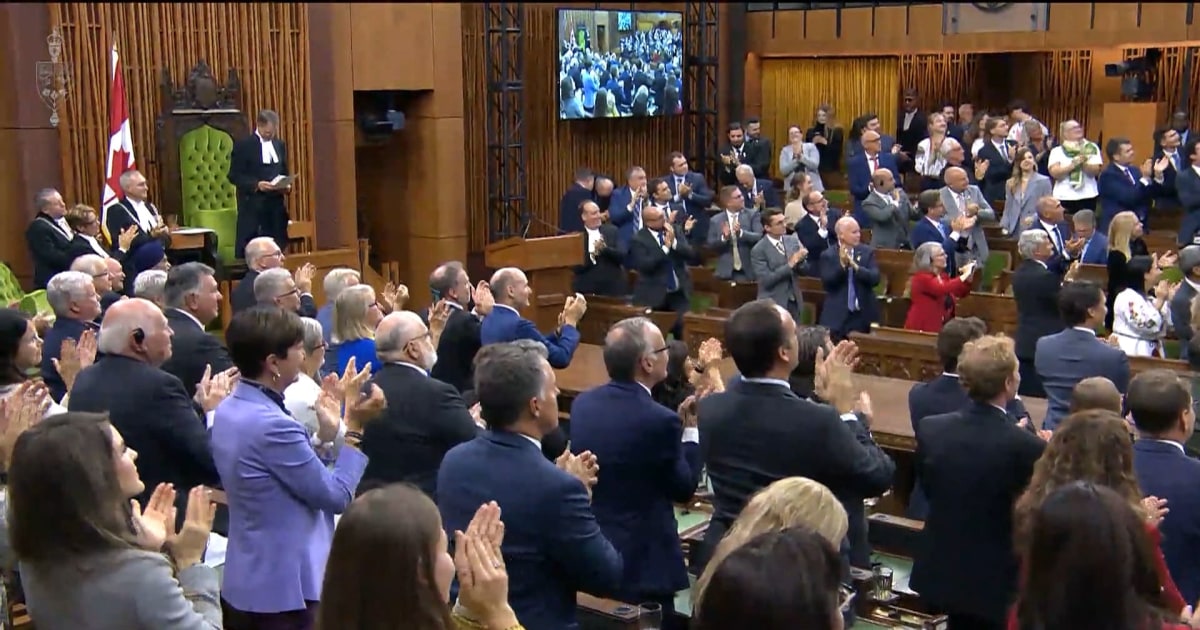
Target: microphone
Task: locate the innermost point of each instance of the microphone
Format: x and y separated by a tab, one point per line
531	219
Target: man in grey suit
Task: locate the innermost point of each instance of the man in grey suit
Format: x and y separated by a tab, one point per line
732	233
960	197
1065	358
776	260
890	212
1181	302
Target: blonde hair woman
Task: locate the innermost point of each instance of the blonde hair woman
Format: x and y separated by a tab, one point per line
356	313
931	152
1124	242
787	503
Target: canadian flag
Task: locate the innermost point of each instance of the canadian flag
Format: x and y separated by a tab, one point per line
120	140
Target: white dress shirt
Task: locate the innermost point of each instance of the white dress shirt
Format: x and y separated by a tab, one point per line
97	248
144	215
593	236
269	156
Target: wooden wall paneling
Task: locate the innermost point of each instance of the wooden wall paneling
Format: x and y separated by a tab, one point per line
1163	21
753	85
1064	86
1104	89
392	45
793	88
29	147
1169	79
266	43
554	148
331	71
996	42
939	78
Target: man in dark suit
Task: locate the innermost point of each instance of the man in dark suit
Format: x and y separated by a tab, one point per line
1035	289
1094	250
1064	247
759	153
1124	186
1168	145
192	301
651	461
599	271
815	229
946	394
278	287
49	238
732	154
581	190
460	339
76	304
758	193
1161	405
1187	187
553	546
425	417
510	288
133	209
254	164
933	227
757	431
862	166
999	153
261	254
691	190
849	275
911	128
1181	302
148	406
965	564
625	210
1067	357
660	258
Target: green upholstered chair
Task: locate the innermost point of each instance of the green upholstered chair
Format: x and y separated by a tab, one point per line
35	303
209	199
10	288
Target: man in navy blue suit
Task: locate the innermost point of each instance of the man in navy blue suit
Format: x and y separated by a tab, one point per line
849	275
1094	250
932	227
510	288
553	546
691	190
581	190
862	166
628	201
1124	186
1065	358
1161	405
651	461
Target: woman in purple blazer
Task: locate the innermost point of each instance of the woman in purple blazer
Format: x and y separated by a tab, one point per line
281	494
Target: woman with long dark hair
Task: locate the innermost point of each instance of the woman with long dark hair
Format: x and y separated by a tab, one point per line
389	568
21	353
90	557
1090	565
1094	446
780	580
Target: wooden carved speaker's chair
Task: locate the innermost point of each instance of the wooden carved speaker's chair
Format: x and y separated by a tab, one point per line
196	131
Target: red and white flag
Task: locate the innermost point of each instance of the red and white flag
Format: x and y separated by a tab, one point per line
120	141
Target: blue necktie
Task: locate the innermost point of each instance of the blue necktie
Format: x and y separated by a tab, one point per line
672	282
851	290
943	229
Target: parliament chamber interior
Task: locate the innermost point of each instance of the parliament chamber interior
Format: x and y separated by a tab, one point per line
607	316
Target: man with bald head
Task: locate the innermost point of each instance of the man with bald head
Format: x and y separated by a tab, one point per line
962	198
862	167
651	460
424	417
511	291
849	274
148	406
660	257
890	211
1051	219
600	271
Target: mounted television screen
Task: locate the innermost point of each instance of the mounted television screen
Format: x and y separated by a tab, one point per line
619	64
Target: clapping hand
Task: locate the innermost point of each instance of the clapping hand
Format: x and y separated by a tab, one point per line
152	525
304	277
487	526
981	167
684	189
832	380
390	297
19	410
483	581
439	314
125	238
688	414
1156	509
213	388
188	544
74	356
484	299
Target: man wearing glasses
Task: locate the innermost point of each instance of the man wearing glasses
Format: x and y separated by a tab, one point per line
651	460
263	254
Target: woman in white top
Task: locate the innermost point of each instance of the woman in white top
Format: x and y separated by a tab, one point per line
300	397
931	153
800	157
1140	321
975	135
1074	165
21	352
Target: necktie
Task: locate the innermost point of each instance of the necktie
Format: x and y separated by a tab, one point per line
851	290
737	256
943	229
1129	174
779	246
874	164
1083	252
1058	244
673	281
1175	160
637	216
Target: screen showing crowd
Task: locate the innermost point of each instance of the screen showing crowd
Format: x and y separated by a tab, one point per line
616	64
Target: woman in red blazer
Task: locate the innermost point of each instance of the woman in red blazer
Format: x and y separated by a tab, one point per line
934	293
1093	447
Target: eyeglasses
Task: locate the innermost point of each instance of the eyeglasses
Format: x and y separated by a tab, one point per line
288	294
662	349
846	597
